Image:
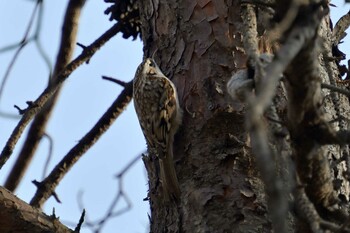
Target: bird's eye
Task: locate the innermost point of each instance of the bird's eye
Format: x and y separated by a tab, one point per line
151	63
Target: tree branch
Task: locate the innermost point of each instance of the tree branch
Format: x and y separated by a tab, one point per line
37	128
49	184
49	91
306	116
24	41
336	89
266	81
18	216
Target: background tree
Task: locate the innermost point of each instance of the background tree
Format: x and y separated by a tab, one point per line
238	163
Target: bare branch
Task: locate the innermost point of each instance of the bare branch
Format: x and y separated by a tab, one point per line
49	184
18	216
49	91
54	194
128	166
307	118
336	89
37	128
49	156
38	44
294	43
267	80
250	31
97	225
117	81
81	221
20	111
20	46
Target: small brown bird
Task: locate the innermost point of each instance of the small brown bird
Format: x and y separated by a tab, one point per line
159	113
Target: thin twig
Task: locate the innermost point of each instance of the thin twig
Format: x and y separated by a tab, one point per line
49	156
336	89
97	225
128	166
117	81
81	221
54	194
20	111
36	39
38	44
20	46
50	183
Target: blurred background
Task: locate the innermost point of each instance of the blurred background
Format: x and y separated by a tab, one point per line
83	100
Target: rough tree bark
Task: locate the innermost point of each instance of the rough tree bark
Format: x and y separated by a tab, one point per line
198	45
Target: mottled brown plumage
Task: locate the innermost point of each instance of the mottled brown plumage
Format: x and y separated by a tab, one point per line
157	107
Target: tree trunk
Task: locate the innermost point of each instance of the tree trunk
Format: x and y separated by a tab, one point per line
198	45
